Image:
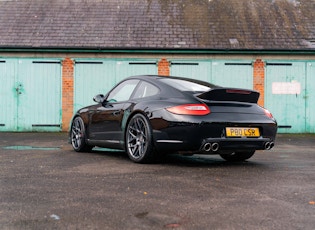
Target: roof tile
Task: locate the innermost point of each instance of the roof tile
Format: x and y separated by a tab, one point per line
162	24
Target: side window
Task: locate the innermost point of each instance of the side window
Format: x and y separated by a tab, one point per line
123	91
146	90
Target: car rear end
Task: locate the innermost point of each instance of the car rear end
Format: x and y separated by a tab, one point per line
221	119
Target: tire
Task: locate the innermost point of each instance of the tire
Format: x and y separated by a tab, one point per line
78	136
139	142
237	156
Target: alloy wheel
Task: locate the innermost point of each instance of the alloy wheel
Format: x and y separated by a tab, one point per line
137	138
78	136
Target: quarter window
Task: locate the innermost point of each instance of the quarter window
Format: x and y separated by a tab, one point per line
123	91
146	90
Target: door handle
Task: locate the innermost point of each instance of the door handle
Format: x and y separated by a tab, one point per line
116	113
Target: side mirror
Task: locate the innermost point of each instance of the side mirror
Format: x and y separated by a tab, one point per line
99	98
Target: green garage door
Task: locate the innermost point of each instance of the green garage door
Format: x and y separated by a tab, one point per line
30	95
91	78
133	67
237	74
94	76
195	69
231	73
8	95
310	98
285	94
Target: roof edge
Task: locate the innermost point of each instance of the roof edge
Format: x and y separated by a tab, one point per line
156	50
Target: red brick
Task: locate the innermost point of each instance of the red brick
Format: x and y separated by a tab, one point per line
259	80
67	92
163	67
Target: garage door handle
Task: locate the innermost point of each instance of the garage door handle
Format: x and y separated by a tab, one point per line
18	89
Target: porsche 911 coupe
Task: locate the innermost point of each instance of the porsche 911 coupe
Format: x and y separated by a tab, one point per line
148	116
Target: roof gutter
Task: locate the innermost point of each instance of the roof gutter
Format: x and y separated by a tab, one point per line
157	50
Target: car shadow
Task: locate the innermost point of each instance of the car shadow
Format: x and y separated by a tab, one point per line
179	160
205	161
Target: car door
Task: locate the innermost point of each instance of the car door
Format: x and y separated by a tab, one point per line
106	119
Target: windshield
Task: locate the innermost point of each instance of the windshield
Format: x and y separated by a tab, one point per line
186	85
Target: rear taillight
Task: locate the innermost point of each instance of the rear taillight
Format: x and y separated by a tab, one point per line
267	113
190	109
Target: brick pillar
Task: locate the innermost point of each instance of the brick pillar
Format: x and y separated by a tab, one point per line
67	92
259	80
164	67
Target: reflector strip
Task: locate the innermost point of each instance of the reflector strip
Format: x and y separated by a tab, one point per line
238	91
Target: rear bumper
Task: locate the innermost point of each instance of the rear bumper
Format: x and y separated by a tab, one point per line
215	145
212	145
195	138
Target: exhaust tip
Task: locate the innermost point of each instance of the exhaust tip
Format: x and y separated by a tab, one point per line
272	144
215	147
207	147
269	145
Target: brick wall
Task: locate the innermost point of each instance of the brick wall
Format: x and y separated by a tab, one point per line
67	92
259	80
163	67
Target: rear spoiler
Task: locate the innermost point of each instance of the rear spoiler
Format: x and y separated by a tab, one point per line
230	94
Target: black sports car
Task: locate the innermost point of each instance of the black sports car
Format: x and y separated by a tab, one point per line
152	115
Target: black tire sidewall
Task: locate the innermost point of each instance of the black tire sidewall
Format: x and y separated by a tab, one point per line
83	146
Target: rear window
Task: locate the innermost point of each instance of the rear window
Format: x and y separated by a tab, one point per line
185	85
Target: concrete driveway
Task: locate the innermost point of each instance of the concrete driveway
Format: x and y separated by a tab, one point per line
46	185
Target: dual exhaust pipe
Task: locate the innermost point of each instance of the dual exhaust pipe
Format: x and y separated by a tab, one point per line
269	145
207	147
214	147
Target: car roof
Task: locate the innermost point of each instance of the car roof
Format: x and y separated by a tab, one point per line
154	78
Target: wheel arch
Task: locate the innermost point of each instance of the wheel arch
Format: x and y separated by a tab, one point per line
85	119
131	115
78	135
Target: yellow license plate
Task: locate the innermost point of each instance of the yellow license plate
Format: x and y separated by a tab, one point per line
242	132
